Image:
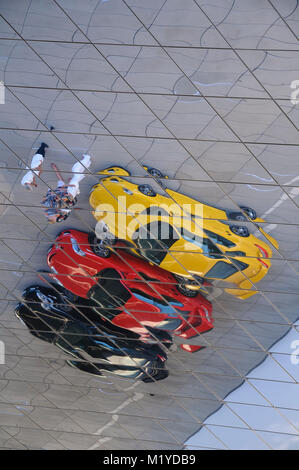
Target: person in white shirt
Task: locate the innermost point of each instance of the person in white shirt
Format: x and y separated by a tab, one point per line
78	175
28	180
59	200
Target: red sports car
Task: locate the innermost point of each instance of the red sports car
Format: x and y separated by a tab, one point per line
128	291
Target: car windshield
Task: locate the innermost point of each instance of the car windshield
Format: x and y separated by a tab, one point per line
222	269
208	247
109	292
154	239
216	238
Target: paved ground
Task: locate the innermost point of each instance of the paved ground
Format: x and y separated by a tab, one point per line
198	89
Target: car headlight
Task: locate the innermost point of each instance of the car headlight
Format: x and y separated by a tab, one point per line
206	313
76	247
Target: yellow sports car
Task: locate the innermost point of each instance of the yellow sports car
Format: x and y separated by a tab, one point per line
196	242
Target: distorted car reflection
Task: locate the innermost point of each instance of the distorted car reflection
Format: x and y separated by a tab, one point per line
98	347
182	235
127	290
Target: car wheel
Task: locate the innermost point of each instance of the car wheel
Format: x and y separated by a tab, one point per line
102	233
101	249
147	190
250	212
240	216
239	230
186	291
161	374
155	173
155	371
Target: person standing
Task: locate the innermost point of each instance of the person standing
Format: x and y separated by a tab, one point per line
60	200
28	180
